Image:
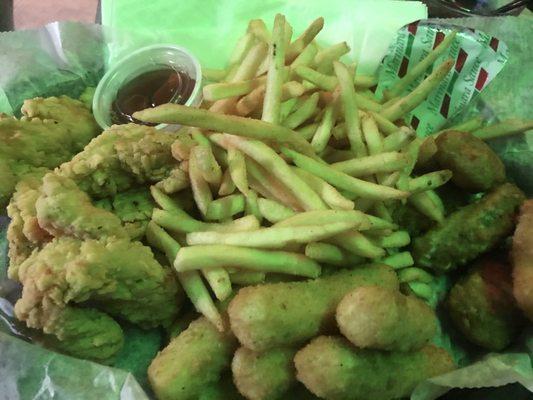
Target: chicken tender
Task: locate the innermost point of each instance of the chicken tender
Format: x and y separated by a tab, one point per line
122	157
522	256
50	132
264	376
475	166
470	231
384	319
333	369
288	313
482	306
63	209
191	362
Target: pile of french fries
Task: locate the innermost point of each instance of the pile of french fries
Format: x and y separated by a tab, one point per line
293	164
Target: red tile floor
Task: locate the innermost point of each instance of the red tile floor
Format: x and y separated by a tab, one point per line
34	13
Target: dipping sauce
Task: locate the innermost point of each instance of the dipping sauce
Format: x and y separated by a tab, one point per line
149	90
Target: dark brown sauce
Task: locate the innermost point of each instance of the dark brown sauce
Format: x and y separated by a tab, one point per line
149	90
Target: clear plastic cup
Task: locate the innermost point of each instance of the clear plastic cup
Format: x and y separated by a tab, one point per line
141	61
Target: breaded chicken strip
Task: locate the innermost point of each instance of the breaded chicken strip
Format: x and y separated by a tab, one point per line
283	314
522	255
384	319
264	376
475	166
117	276
470	231
122	157
193	361
482	306
333	369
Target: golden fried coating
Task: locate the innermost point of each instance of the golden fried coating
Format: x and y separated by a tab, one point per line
264	376
117	276
522	256
50	132
193	361
333	369
470	231
475	166
63	209
288	313
384	319
122	157
482	306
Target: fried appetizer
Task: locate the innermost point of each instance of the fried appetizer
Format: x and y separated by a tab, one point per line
379	318
475	166
522	256
50	132
288	313
470	231
482	306
264	376
333	369
192	361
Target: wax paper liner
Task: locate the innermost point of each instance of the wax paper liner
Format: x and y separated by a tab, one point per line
29	371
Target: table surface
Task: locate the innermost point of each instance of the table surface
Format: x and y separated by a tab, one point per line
35	13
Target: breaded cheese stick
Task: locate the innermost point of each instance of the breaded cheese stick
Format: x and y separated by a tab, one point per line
192	361
522	256
333	369
264	376
384	319
289	313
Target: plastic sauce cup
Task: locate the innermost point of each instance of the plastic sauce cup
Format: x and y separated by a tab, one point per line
144	60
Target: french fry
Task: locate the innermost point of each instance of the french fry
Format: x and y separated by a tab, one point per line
325	57
176	181
429	204
207	164
287	36
273	211
305	58
304	39
254	100
429	181
396	239
322	81
367	104
251	206
320	217
349	106
365	81
213	75
327	193
287	107
344	181
356	243
385	126
247	278
225	207
272	101
258	28
400	86
204	119
379	163
266	184
303	113
217	91
219	281
166	202
414	274
466	126
182	146
269	159
200	188
191	280
406	104
227	186
504	128
391	179
398	140
242	47
373	139
326	253
420	289
339	133
184	223
237	169
308	131
324	130
398	260
382	211
215	256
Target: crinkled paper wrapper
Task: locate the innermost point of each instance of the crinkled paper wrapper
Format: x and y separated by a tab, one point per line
64	58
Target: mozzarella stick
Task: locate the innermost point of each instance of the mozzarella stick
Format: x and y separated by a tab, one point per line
383	319
332	368
289	313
